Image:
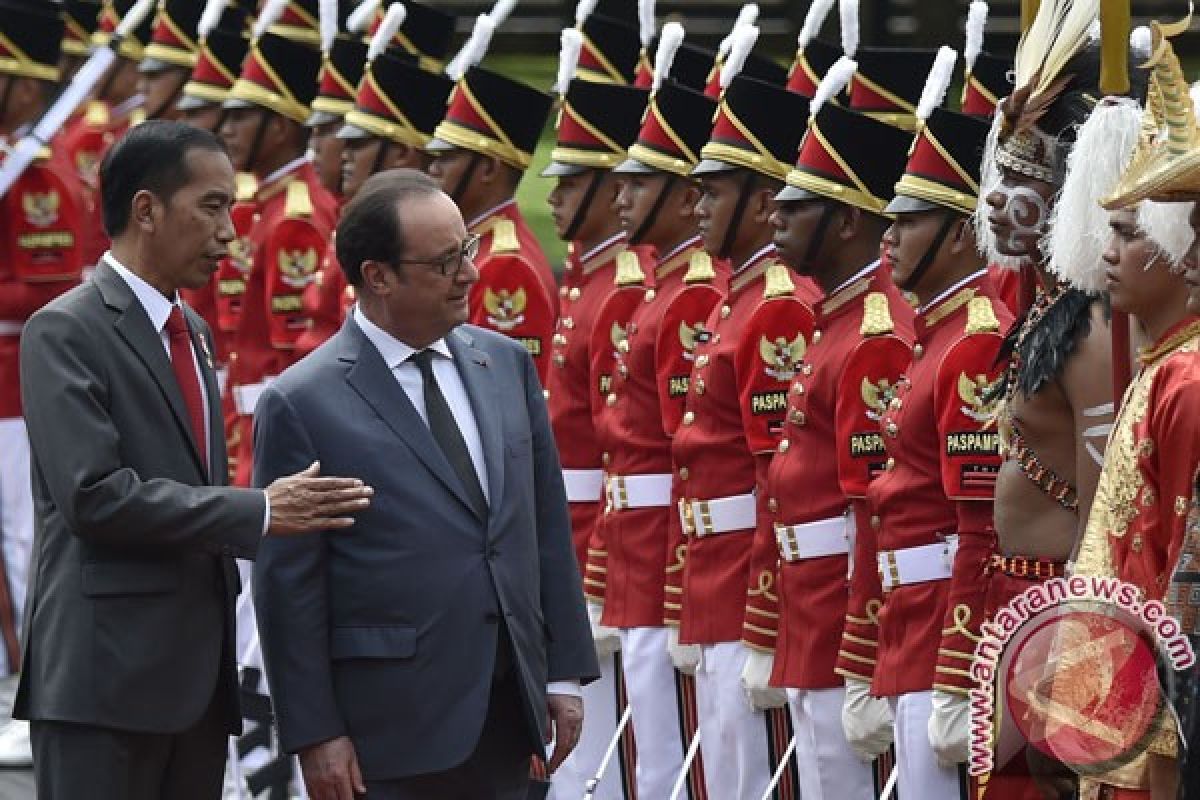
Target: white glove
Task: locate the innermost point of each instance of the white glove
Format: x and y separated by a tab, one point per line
607	639
756	681
685	657
867	721
949	728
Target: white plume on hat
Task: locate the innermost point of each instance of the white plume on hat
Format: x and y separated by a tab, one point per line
748	15
583	10
361	16
568	58
210	18
474	50
271	12
937	83
327	23
743	42
977	16
647	26
848	14
664	57
813	21
835	80
386	31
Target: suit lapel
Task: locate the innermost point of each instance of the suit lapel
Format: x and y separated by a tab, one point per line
217	457
371	378
134	327
474	366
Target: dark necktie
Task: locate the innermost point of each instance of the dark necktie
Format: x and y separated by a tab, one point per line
184	365
447	434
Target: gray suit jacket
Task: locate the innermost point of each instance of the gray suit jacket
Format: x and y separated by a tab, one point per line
129	621
387	631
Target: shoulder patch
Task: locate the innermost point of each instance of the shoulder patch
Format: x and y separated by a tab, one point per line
778	282
981	317
629	269
700	268
504	237
877	318
298	203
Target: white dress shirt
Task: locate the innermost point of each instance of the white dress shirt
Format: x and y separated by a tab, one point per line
158	308
396	355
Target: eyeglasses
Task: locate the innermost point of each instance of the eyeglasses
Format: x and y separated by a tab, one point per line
451	265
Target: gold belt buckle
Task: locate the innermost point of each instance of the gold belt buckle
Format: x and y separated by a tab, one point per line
685	514
893	571
706	517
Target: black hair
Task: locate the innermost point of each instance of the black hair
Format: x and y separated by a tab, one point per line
370	228
150	157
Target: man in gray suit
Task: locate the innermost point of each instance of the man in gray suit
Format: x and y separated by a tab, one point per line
420	655
129	675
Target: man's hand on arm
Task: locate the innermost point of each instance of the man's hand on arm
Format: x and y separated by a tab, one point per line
306	502
566	723
331	770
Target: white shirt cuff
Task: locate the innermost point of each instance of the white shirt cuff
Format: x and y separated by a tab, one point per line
266	512
570	688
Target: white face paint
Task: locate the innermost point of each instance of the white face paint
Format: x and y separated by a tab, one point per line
1020	223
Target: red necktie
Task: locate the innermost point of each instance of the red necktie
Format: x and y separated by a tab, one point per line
184	365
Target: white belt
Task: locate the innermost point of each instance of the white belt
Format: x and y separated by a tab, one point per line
929	562
583	485
825	537
246	396
222	376
638	491
11	327
719	515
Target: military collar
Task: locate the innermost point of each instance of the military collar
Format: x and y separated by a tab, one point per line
676	258
274	183
853	287
601	254
950	301
754	269
492	212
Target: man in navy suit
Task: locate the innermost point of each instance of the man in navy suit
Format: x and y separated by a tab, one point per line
430	650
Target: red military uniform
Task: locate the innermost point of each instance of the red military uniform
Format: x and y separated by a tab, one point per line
633	433
326	301
853	362
516	293
572	396
293	221
936	488
745	356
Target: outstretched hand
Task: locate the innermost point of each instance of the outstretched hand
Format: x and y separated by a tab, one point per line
307	502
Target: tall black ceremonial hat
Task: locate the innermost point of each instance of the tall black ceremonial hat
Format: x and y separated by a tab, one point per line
426	32
398	100
31	34
750	132
219	59
173	41
610	51
133	46
493	115
279	74
810	66
82	18
596	126
888	83
943	167
341	70
676	126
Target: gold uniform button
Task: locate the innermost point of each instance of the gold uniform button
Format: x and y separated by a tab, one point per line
632	328
892	429
918	351
562	291
683	473
1136	543
699	386
798	388
623	370
702	361
897	403
806	369
574	293
545	394
568	323
559	339
816	337
611	399
784	445
689	418
716	338
725	312
876	522
605	458
797	418
623	346
890	464
560	360
649	295
773	505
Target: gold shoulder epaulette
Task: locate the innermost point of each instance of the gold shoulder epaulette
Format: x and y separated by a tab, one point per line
504	237
137	117
877	317
96	114
298	203
629	269
981	318
700	268
245	186
778	282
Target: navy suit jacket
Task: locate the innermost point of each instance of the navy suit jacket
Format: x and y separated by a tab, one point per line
386	631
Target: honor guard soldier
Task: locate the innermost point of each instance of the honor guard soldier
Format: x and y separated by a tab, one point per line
169	57
343	61
743	351
919	558
293	217
597	123
656	205
42	221
1137	527
828	228
116	107
481	149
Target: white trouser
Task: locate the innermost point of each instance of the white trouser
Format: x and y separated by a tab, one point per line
828	768
600	719
650	685
733	737
16	516
919	772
